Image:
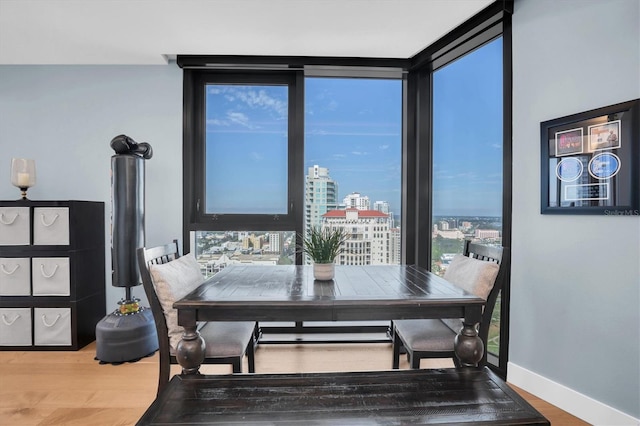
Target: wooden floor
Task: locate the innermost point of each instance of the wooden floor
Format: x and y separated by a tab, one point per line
71	388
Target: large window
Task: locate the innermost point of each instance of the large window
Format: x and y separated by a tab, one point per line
255	192
419	148
353	154
468	159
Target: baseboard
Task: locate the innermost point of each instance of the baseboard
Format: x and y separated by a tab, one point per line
575	403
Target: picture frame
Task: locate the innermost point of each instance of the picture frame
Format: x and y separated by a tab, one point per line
590	162
569	142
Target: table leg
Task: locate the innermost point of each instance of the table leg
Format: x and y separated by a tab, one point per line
468	346
190	350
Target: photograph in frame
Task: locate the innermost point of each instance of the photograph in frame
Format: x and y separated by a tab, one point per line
569	142
604	136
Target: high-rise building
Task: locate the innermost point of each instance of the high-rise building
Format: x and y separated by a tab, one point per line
395	245
369	241
275	242
252	241
383	206
321	196
356	201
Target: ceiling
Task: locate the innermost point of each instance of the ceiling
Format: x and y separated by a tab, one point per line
153	31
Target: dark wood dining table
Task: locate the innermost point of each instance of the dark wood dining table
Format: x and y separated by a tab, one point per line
290	293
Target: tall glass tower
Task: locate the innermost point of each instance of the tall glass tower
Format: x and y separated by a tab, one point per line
321	196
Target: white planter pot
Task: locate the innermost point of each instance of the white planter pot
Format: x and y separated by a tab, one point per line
323	271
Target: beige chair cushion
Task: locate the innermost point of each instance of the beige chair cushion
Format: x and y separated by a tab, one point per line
473	275
172	281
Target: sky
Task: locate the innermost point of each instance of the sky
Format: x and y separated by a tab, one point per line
353	127
467	134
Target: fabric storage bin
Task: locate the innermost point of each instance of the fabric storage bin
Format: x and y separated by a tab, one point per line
51	276
52	326
15	276
15	326
14	226
51	226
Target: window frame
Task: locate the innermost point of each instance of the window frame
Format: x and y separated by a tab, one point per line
196	219
494	21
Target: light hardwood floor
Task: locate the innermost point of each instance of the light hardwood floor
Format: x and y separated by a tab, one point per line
72	388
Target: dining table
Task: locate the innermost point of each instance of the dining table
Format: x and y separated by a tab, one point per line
249	292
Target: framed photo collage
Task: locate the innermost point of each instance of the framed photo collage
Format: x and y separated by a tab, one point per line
590	162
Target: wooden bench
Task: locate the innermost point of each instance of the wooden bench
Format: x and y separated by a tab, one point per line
446	396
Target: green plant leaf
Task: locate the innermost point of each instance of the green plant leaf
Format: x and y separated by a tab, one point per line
323	245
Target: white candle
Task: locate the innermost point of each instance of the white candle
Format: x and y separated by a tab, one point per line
24	180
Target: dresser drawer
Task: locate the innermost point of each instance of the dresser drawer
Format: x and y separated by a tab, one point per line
15	326
15	276
14	226
52	326
51	226
51	276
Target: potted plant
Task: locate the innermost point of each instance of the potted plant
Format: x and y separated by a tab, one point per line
323	245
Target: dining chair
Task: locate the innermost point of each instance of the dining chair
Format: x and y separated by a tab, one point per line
480	270
167	277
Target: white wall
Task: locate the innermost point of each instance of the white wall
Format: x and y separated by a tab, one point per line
575	280
64	117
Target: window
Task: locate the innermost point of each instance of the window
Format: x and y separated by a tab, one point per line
404	153
467	159
245	150
249	174
459	115
353	159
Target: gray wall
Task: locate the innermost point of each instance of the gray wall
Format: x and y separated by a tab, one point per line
575	279
65	116
575	289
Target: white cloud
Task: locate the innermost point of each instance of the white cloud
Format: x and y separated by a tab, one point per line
260	99
238	118
216	122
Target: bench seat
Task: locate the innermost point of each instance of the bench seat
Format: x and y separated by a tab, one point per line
443	396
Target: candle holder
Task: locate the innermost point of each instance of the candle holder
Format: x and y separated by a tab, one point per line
23	174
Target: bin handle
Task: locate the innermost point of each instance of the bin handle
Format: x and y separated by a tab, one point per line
10	221
42	219
4	319
44	274
44	320
6	271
